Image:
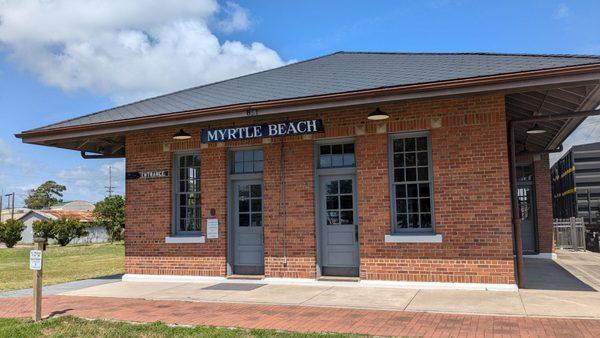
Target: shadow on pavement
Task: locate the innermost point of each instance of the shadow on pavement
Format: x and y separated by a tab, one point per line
546	274
110	277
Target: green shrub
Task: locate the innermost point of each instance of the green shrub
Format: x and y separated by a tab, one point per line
66	229
10	232
43	229
110	214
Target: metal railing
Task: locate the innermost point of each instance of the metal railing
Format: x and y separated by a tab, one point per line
569	233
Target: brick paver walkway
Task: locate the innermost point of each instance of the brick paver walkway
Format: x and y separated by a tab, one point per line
304	318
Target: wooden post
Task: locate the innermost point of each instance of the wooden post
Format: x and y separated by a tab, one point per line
37	283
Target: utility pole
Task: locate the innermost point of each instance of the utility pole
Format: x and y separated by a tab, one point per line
1	207
12	204
110	187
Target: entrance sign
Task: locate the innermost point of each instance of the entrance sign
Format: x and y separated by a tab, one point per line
154	174
263	130
134	175
35	260
212	228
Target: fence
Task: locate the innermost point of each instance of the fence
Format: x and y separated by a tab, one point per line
569	233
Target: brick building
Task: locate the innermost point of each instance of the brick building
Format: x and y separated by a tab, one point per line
388	167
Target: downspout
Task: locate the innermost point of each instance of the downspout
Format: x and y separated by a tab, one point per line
283	201
516	219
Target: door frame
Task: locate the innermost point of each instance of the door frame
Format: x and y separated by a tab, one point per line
231	180
317	200
536	240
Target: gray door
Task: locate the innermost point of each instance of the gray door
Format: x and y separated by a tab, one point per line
248	228
527	215
338	225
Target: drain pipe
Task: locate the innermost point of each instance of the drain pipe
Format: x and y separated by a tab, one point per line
516	219
283	201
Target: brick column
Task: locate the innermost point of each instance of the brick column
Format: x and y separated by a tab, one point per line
213	184
543	203
299	208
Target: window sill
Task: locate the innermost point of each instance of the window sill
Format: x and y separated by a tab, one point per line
413	238
184	239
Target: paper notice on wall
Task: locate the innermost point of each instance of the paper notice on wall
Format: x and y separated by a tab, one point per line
212	228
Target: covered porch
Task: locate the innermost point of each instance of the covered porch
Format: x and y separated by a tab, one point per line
539	120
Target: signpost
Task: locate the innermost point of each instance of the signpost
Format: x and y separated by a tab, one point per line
35	264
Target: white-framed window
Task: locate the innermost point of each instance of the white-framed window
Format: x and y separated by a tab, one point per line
337	155
186	187
247	161
411	182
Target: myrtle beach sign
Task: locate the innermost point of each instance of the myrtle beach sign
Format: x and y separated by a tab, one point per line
263	130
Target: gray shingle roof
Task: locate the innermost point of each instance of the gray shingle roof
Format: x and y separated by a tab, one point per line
335	73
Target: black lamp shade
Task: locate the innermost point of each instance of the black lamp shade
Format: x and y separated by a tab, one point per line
536	129
378	115
182	135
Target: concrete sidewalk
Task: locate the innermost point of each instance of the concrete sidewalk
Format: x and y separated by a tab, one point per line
567	287
63	287
579	304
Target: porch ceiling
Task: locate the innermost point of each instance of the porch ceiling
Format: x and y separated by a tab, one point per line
549	102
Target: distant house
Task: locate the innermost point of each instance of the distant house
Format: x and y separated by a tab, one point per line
80	210
73	206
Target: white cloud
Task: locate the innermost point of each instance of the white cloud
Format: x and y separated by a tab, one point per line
91	183
129	49
562	12
237	18
7	157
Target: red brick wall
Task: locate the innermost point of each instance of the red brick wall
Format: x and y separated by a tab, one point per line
543	202
471	194
299	232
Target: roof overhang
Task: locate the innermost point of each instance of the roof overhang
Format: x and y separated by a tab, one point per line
108	138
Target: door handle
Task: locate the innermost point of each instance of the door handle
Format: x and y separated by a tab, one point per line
356	232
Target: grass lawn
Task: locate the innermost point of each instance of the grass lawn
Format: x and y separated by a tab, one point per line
69	326
61	264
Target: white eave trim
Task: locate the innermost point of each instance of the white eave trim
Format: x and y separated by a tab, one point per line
185	240
413	238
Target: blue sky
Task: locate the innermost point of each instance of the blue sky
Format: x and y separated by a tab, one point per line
94	56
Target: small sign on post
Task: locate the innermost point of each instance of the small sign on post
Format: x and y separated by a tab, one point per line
35	259
36	264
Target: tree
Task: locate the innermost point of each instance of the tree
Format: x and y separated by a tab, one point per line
110	214
47	194
10	232
44	229
64	230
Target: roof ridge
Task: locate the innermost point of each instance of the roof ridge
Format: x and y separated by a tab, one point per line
184	90
584	56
